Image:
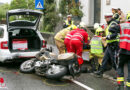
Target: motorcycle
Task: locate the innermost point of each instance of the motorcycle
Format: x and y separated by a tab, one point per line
52	66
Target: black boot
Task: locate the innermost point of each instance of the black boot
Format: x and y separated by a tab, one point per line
120	86
99	73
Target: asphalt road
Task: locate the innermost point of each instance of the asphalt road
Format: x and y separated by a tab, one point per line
15	80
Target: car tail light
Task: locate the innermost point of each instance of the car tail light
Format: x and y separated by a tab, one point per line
44	44
4	45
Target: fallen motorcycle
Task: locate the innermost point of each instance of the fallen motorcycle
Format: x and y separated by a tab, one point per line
52	66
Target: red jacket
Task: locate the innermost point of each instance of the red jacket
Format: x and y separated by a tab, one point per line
81	35
125	36
69	35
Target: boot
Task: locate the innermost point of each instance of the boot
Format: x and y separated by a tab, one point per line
99	73
127	88
120	86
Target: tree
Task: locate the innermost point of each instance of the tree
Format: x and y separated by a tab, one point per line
50	15
3	10
70	7
20	4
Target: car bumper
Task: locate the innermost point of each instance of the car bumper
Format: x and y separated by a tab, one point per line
5	56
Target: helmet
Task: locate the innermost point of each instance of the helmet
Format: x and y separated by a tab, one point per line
69	15
108	15
82	25
96	26
73	27
114	8
98	31
128	16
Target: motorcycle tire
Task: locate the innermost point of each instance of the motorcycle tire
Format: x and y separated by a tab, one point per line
50	74
27	66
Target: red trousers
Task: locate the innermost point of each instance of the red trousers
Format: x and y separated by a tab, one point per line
76	46
67	44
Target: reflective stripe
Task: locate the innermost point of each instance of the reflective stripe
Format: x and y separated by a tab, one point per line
68	37
124	26
128	84
120	78
74	39
97	48
125	35
124	40
78	35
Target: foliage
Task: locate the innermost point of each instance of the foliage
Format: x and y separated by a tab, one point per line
70	7
3	9
50	15
20	4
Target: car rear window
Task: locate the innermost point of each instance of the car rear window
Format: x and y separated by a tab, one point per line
1	32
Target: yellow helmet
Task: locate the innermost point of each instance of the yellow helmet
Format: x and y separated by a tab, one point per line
128	16
73	27
98	31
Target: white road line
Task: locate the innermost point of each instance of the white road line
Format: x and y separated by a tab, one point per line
80	84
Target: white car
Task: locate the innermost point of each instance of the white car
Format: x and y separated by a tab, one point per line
20	38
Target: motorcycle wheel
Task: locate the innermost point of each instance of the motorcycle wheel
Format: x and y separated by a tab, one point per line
53	73
27	66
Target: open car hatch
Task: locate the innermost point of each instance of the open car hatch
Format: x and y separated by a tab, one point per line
24	18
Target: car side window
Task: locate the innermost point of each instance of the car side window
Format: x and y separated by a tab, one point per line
1	32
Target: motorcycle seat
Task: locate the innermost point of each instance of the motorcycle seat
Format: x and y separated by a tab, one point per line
66	56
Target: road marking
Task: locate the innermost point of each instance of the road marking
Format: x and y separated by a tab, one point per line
80	84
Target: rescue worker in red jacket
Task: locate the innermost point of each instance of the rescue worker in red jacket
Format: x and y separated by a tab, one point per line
124	54
68	38
77	40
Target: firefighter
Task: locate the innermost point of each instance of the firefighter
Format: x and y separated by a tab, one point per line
97	46
77	40
124	54
115	14
68	22
60	36
112	46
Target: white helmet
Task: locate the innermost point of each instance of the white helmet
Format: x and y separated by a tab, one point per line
96	25
82	24
69	15
114	8
108	15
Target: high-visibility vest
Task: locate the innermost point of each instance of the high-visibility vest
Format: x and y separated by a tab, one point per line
109	33
125	36
115	15
96	45
69	24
